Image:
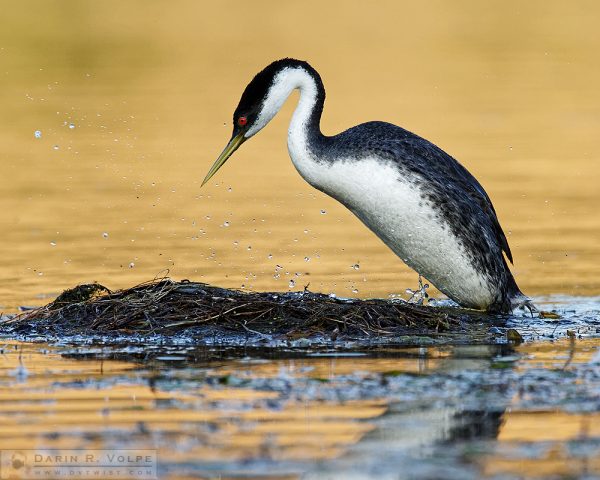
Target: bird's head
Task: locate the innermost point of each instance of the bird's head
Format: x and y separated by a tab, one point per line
261	100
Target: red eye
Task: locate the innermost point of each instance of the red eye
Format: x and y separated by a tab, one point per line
242	121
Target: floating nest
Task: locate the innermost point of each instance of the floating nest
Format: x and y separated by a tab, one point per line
167	307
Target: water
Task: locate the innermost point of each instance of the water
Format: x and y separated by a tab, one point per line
519	109
318	409
138	97
440	412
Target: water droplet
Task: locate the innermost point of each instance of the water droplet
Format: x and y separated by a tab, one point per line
307	259
355	290
305	230
225	224
356	266
53	243
292	283
332	295
229	189
37	134
269	256
131	265
71	126
323	212
249	247
208	217
55	147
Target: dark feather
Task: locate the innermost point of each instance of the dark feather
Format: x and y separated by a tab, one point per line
436	167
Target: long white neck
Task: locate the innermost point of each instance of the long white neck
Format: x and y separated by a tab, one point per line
283	85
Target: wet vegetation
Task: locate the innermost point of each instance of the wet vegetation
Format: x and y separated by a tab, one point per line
166	307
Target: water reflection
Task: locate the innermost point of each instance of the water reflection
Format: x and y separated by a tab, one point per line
461	410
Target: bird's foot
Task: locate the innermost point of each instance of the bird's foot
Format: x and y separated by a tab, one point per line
527	304
418	296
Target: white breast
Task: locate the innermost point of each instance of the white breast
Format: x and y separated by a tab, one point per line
390	205
393	208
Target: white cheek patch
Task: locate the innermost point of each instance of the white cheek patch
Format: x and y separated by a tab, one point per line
284	83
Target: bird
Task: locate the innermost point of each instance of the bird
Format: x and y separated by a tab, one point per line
420	201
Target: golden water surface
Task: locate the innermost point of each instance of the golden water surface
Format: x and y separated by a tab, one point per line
55	400
134	102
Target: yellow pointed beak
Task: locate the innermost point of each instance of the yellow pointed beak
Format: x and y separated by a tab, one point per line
231	147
